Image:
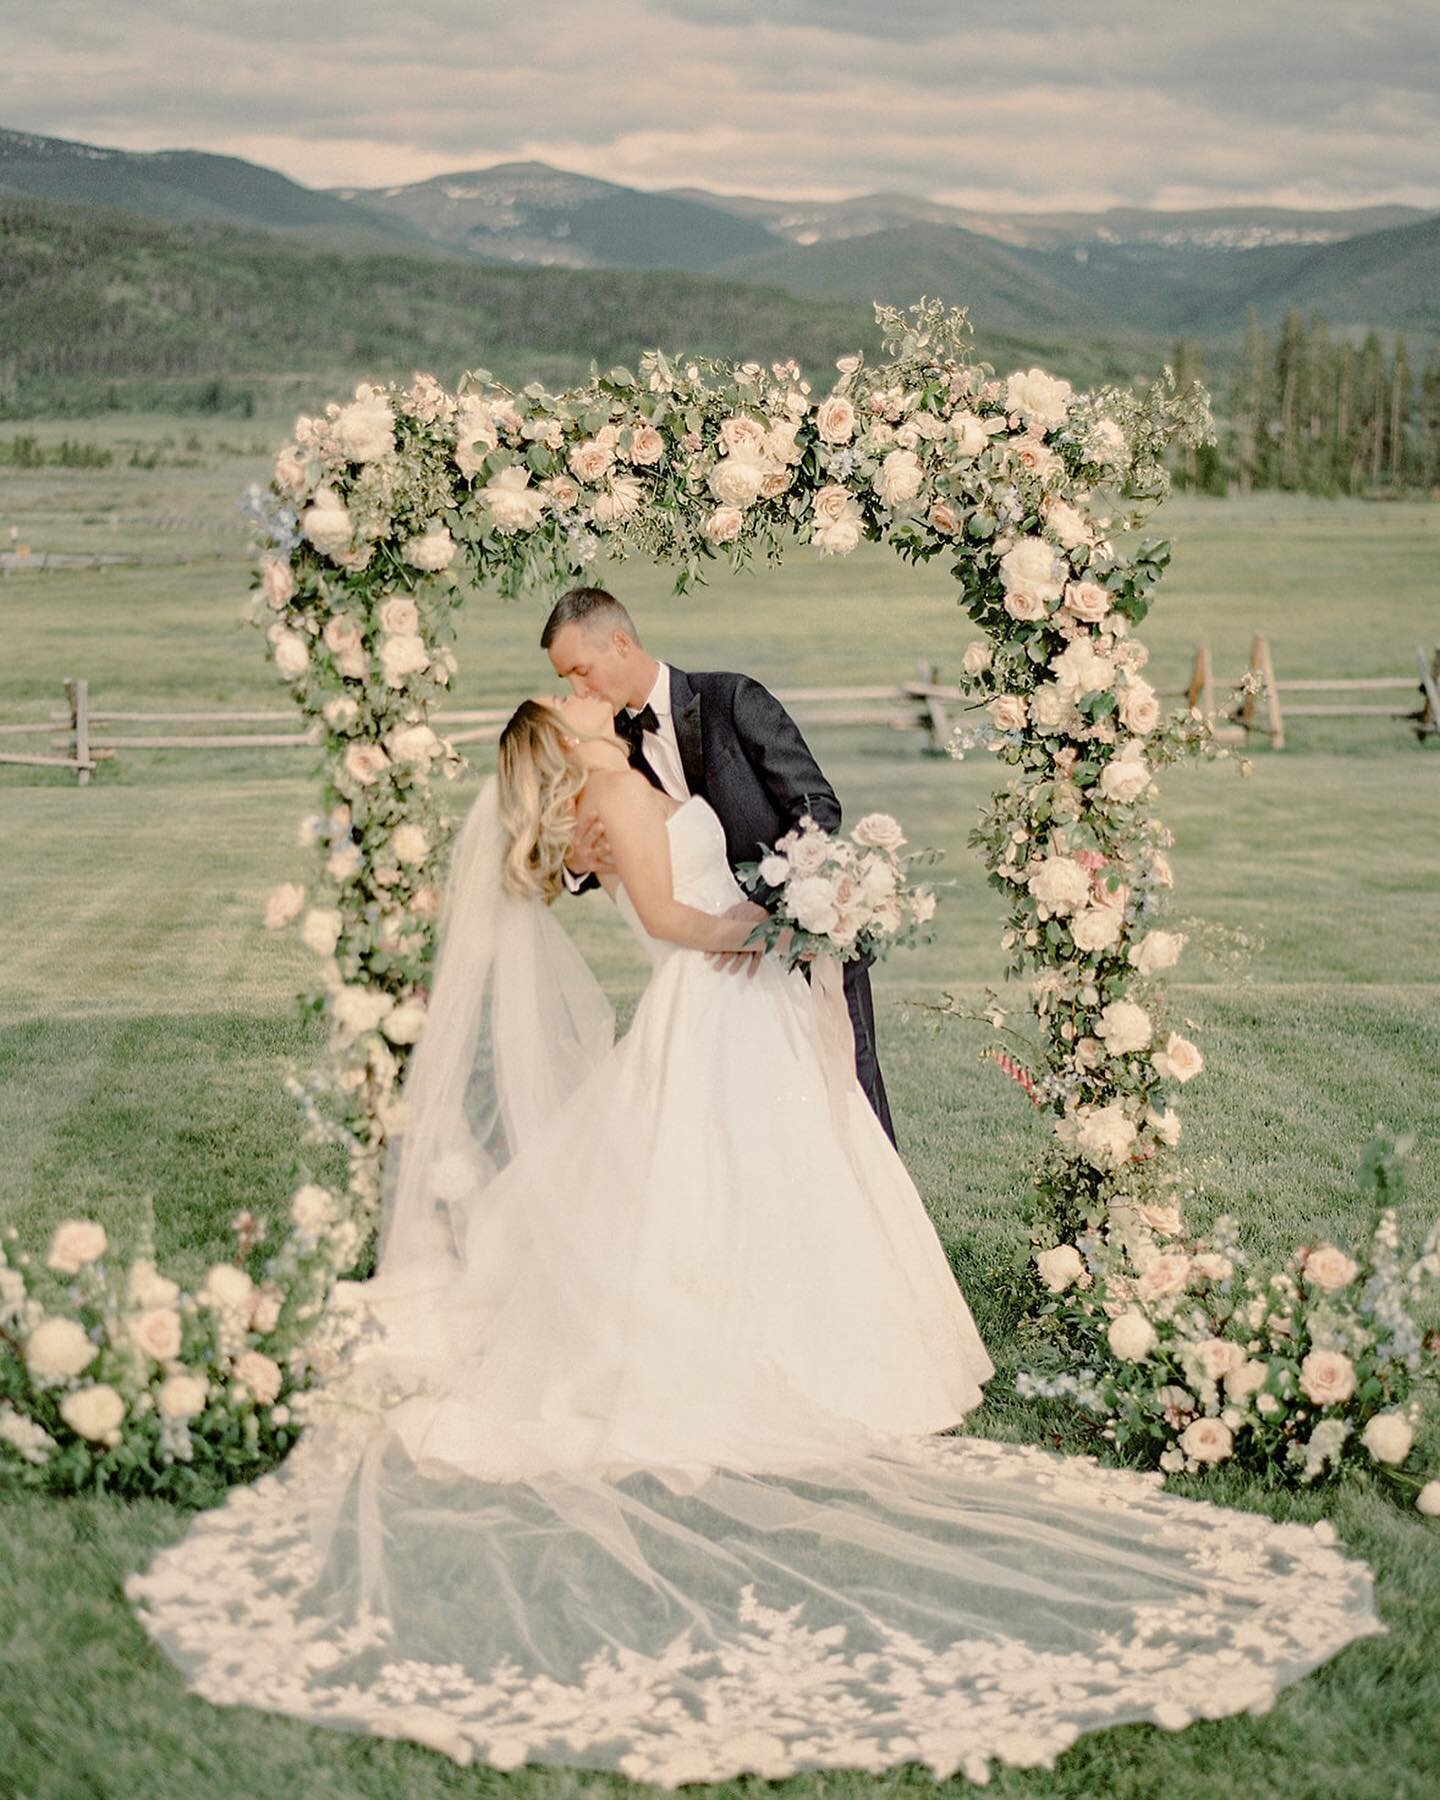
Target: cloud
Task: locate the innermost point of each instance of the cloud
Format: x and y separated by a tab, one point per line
1027	104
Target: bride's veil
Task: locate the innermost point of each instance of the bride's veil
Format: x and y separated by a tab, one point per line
515	1022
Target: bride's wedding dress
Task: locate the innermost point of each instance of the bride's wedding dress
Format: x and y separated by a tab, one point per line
634	1465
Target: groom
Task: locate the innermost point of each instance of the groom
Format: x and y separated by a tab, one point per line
723	737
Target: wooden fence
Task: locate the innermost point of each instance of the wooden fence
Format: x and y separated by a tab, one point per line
83	736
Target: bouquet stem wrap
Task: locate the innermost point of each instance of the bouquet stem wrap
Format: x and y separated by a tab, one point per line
837	1037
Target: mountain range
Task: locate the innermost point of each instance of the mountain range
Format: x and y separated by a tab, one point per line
1127	277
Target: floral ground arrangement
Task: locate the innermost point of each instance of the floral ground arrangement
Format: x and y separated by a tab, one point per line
112	1376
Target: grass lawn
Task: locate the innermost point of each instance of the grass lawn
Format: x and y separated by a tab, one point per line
146	1019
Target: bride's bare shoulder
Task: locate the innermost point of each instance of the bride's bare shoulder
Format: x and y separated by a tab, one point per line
624	792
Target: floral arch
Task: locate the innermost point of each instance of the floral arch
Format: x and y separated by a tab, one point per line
1024	488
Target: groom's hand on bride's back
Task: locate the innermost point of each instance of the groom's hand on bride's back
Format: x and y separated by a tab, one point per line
590	852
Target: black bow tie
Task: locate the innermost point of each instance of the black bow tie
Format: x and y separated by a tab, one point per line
633	726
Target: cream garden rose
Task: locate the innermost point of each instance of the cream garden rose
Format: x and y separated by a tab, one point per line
835	420
1059	884
94	1412
1156	951
1329	1269
1327	1377
879	831
1207	1440
58	1348
1105	1135
1031	566
1087	601
326	523
320	930
157	1333
899	479
1388	1437
837	521
724	524
364	431
1041	399
261	1375
1123	1027
1178	1060
182	1397
1009	712
1131	1336
1061	1268
1126	776
74	1244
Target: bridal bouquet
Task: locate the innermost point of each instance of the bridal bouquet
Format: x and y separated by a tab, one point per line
842	897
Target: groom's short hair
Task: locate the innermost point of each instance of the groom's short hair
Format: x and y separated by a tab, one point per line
593	610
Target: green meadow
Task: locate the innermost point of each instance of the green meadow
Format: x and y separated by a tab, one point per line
146	1020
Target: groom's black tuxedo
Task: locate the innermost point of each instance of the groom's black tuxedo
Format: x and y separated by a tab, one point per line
743	753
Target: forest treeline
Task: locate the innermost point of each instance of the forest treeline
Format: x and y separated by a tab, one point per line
1314	414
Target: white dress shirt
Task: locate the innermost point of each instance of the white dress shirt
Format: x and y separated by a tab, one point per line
661	749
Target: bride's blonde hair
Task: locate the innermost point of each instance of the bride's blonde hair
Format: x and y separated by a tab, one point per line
540	778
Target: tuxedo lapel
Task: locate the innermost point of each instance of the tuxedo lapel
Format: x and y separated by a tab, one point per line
685	713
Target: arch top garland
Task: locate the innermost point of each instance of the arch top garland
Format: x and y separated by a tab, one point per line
113	1373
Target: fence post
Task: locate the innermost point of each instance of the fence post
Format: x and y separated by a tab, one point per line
1428	717
1261	665
1201	692
933	707
77	693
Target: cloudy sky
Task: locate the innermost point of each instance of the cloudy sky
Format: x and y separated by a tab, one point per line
1023	104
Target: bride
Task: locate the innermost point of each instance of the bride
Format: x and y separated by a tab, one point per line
633	1457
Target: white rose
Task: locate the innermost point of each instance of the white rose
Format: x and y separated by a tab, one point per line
1212	1266
1123	1026
226	1286
292	655
1157	950
363	762
809	852
266	1308
1244	1379
1024	606
968	434
357	1010
58	1348
1059	884
410	844
433	550
1179	1060
835	420
1039	398
147	1287
1139	709
157	1332
1216	1357
404	1025
326	523
1388	1437
978	657
290	473
1081	669
1068	527
320	930
810	901
647	446
75	1243
277	583
340	713
364	431
562	490
1097	928
94	1412
737	480
1051	706
838	521
1427	1500
1126	776
1061	1267
774	871
723	525
1207	1440
261	1375
475	438
899	479
416	744
590	460
312	1208
1031	566
1327	1377
399	615
878	831
513	504
1009	711
1329	1268
1104	1135
343	864
401	657
1087	601
182	1397
1131	1336
1165	1125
